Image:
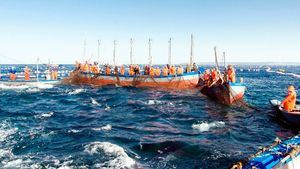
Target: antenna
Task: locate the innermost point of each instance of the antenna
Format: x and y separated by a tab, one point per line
192	50
170	54
84	49
114	53
131	45
150	55
216	58
224	61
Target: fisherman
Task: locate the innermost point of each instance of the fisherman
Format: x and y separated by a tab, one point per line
206	75
289	102
157	71
194	67
122	70
27	73
172	70
131	70
231	74
165	71
116	70
188	68
151	73
136	70
107	69
12	75
180	70
86	67
214	74
95	68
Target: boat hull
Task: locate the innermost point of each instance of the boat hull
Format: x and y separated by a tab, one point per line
276	156
186	81
292	117
227	93
28	83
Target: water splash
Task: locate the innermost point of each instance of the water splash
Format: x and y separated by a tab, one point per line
204	126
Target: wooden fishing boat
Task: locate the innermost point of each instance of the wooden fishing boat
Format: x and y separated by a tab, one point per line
226	93
185	81
280	154
293	117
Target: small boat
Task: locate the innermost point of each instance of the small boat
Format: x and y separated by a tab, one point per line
226	93
185	81
280	154
292	117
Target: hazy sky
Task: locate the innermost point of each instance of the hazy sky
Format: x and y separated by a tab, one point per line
248	31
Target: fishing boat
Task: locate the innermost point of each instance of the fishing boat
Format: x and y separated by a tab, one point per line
185	81
293	117
222	90
225	93
177	81
280	154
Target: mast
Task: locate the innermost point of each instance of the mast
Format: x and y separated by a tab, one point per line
131	45
37	69
192	50
224	61
84	49
114	53
150	55
216	58
98	50
170	50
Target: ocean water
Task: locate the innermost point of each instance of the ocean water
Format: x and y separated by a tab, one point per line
124	127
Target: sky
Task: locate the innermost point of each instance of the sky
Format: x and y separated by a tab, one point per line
55	30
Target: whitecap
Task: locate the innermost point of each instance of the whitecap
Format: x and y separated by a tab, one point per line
17	163
44	86
153	102
73	131
104	128
107	108
6	131
32	90
76	91
117	157
44	115
13	87
204	126
94	102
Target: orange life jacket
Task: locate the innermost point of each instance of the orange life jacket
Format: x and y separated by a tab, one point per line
95	69
12	77
157	72
289	102
107	71
180	71
151	72
231	75
27	74
213	74
172	70
122	70
165	71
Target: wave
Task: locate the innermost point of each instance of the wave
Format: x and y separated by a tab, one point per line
95	102
44	115
76	91
104	128
117	157
6	131
204	126
13	87
153	102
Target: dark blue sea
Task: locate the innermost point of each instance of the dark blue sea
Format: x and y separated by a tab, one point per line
124	127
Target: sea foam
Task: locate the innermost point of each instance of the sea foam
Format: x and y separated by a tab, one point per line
204	126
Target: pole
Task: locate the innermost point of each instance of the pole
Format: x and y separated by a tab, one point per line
192	50
170	50
114	53
131	44
216	58
98	50
224	61
150	55
84	49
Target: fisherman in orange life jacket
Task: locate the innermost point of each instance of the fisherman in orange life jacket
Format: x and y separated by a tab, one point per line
12	75
95	68
86	67
172	70
180	70
27	73
165	71
231	74
214	74
289	102
157	71
151	71
107	70
206	75
122	70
